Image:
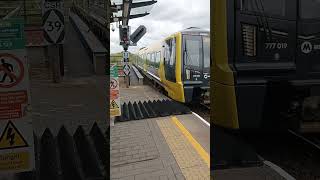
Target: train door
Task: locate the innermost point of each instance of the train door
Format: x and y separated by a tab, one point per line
170	60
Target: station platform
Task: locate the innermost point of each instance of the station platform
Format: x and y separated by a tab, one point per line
174	147
171	147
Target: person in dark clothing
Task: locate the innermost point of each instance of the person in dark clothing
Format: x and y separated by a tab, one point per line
9	68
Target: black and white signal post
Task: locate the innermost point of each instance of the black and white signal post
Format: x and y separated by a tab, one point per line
126	39
54	32
129	40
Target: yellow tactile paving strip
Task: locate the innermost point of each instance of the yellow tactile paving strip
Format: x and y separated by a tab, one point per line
193	162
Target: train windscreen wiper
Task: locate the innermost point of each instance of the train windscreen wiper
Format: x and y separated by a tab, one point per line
186	53
264	20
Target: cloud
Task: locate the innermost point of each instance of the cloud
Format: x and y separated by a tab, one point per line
167	17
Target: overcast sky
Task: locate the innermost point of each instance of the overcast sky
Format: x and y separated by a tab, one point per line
166	17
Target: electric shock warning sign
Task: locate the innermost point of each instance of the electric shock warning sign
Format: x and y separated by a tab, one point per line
16	132
11	138
16	146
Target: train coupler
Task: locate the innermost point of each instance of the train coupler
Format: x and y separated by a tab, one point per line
205	98
310	117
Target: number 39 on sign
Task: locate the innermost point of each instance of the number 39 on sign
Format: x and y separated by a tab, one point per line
53	21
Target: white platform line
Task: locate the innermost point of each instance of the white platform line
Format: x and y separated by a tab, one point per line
204	121
279	170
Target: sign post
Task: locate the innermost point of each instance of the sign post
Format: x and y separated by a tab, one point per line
126	68
16	132
115	106
54	32
127	40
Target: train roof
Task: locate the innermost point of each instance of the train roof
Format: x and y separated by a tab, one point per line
195	30
190	30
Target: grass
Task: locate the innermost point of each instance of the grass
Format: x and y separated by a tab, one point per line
117	57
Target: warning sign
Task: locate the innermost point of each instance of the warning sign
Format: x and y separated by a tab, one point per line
11	138
17	161
114	105
16	145
10	104
115	109
114	94
114	83
16	132
11	70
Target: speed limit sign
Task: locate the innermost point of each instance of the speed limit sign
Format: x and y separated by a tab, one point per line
53	21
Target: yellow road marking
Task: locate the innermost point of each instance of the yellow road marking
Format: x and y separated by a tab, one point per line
204	155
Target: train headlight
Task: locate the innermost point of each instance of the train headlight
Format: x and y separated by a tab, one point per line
249	40
188	73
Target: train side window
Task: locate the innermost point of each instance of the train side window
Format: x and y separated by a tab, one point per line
153	58
158	57
148	58
269	7
157	60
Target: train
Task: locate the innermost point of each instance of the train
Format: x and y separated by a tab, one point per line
179	64
266	65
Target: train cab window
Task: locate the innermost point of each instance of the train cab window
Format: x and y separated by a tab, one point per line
173	53
170	52
192	51
269	7
309	9
170	59
206	52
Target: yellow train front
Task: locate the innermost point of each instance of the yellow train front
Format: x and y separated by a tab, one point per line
180	64
266	64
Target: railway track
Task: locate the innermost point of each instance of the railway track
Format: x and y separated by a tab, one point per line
202	110
298	155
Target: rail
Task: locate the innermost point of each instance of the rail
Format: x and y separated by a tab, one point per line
139	75
96	50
